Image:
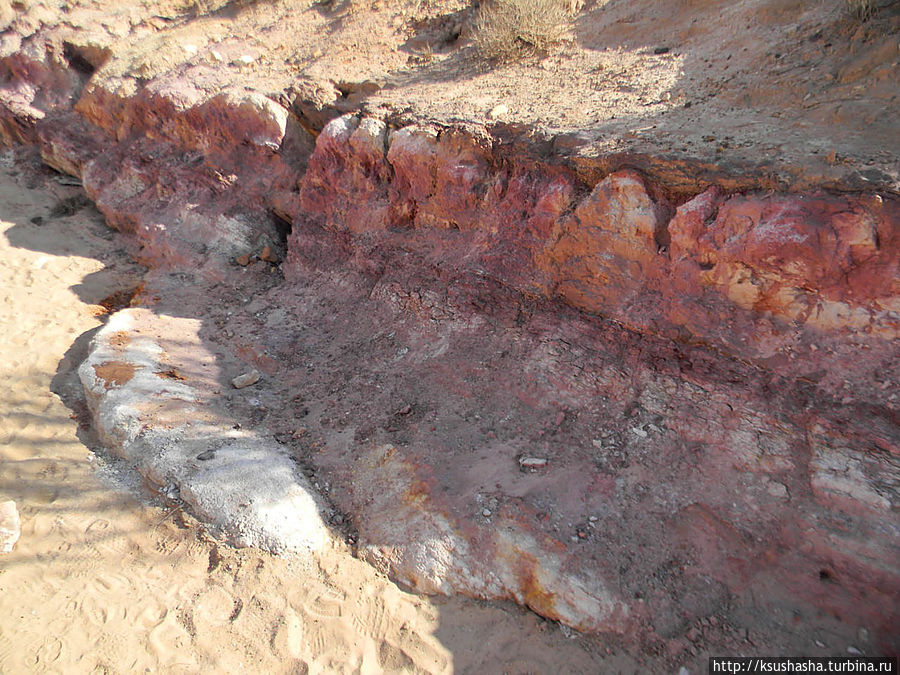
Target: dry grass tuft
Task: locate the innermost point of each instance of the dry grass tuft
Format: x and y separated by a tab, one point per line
506	29
861	10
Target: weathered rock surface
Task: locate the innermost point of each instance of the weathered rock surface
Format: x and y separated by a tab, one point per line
151	409
759	276
10	526
710	373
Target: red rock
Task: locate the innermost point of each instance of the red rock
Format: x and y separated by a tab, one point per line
609	246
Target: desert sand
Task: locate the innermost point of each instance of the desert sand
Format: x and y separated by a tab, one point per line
105	579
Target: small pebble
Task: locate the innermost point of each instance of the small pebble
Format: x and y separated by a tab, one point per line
854	651
498	111
204	456
268	255
532	462
246	379
486	513
639	432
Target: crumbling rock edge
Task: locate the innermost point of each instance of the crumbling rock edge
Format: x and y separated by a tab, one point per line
239	482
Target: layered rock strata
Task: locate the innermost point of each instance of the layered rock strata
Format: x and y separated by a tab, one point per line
705	377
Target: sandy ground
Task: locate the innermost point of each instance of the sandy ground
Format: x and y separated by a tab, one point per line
103	581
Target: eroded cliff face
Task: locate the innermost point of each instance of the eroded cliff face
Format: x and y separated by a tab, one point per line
626	403
792	296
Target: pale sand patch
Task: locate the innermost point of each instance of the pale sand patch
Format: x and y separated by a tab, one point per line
100	582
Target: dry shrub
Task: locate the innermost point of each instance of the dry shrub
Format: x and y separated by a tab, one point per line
505	29
861	10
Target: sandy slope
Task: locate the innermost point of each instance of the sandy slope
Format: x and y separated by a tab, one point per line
100	582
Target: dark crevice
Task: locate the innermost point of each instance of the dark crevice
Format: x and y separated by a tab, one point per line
77	61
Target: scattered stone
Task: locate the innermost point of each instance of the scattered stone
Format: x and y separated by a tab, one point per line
10	526
243	260
486	513
777	489
693	635
661	50
190	49
853	650
570	633
405	410
593	519
204	456
820	645
246	59
268	255
246	379
298	432
498	111
216	56
532	463
37	220
639	432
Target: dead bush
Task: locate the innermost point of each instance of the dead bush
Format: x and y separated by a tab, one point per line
505	29
861	10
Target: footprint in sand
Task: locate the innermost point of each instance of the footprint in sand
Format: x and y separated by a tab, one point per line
213	606
288	636
47	653
96	526
326	604
369	619
168	642
151	616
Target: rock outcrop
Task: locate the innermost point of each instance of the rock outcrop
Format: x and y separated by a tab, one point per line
708	376
147	412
